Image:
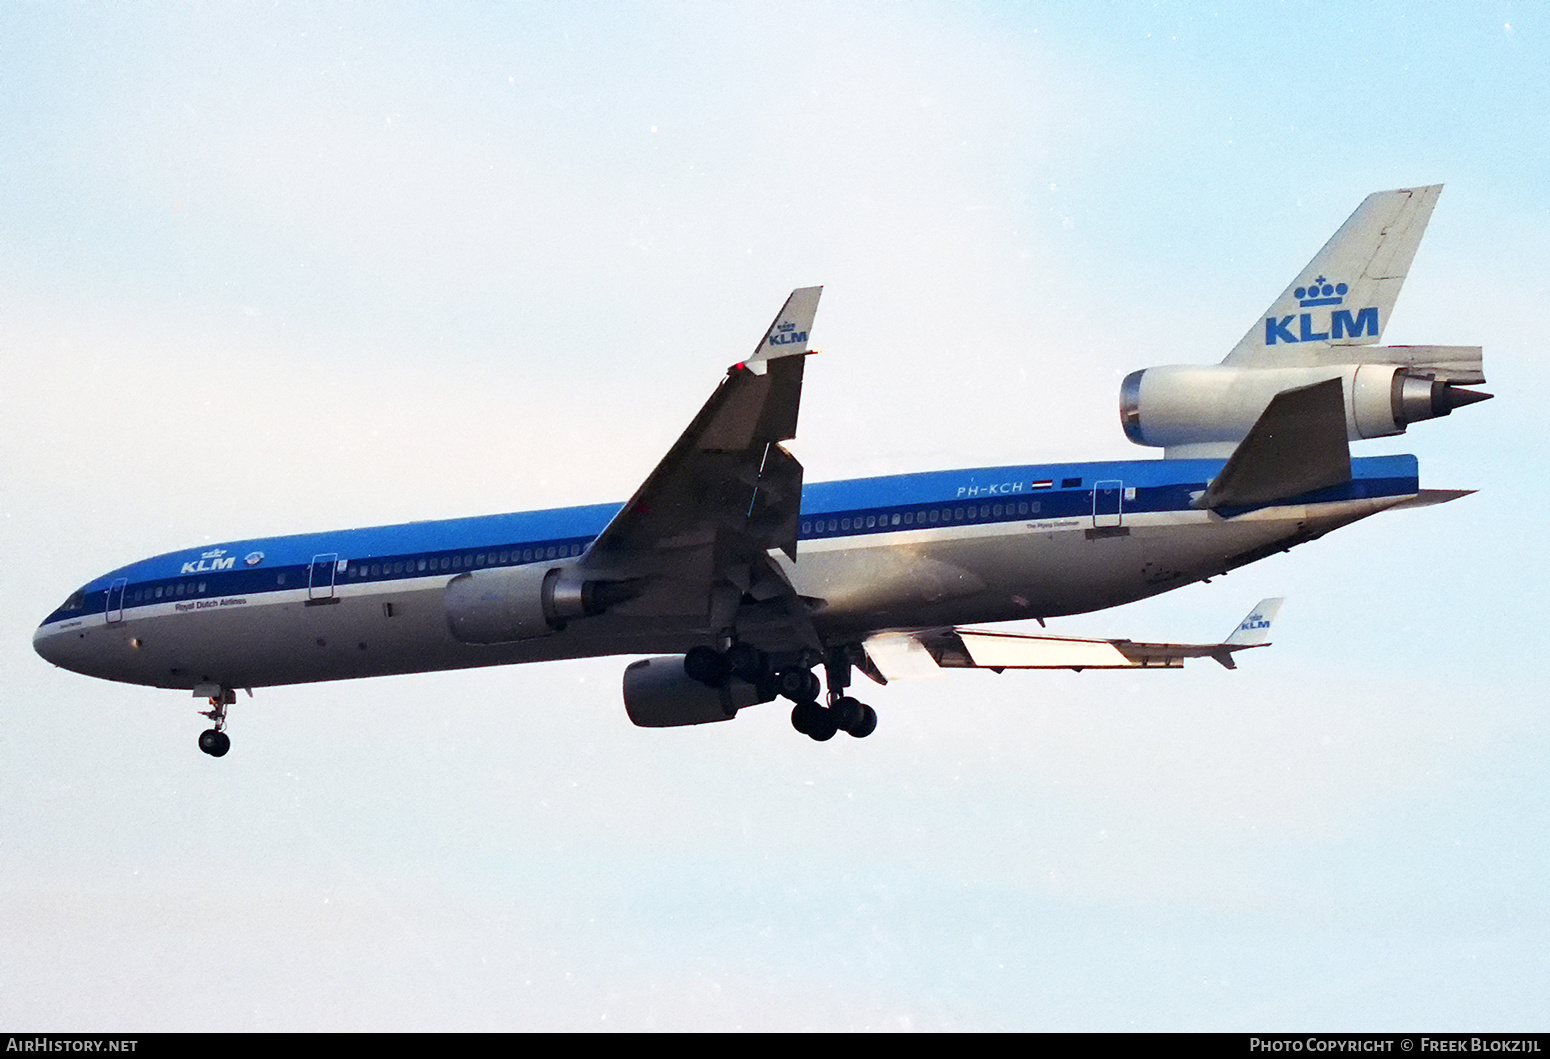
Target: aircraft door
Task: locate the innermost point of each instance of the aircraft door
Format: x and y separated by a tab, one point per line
320	579
1107	502
116	600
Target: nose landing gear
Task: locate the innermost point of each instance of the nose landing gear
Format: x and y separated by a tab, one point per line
215	741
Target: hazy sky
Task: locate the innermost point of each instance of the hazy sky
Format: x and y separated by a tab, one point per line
276	268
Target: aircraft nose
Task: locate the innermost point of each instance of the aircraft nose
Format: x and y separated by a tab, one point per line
47	642
70	649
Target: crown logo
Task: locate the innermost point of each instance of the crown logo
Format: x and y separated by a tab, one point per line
214	553
786	327
1321	292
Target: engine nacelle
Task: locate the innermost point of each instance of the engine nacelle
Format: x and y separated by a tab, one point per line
1204	411
522	602
659	694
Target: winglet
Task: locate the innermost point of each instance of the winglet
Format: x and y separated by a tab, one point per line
1255	629
787	336
1252	631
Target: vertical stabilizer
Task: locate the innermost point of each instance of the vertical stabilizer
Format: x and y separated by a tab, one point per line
1345	294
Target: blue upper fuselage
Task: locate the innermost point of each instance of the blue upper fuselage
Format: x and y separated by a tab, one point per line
853	508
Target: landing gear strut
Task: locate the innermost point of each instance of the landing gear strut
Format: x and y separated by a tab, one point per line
215	741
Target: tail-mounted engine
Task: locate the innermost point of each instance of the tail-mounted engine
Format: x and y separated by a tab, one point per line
523	602
1204	411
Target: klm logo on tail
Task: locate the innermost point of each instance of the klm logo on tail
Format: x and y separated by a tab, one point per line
786	334
1341	323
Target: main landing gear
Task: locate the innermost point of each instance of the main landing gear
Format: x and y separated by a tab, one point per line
843	714
796	682
215	741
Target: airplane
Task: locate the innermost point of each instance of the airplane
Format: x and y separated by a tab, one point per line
738	581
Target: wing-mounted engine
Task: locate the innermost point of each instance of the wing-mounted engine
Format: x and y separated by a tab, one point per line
658	693
523	602
1324	326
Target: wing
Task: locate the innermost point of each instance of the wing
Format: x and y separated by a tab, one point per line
695	538
891	654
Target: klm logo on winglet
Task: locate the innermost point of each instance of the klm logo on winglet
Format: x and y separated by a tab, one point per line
210	562
1252	622
1341	323
786	334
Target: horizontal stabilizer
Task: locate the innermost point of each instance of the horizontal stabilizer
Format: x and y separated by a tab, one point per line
1459	365
979	649
1431	497
1297	445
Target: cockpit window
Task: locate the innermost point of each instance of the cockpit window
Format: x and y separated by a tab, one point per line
76	601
